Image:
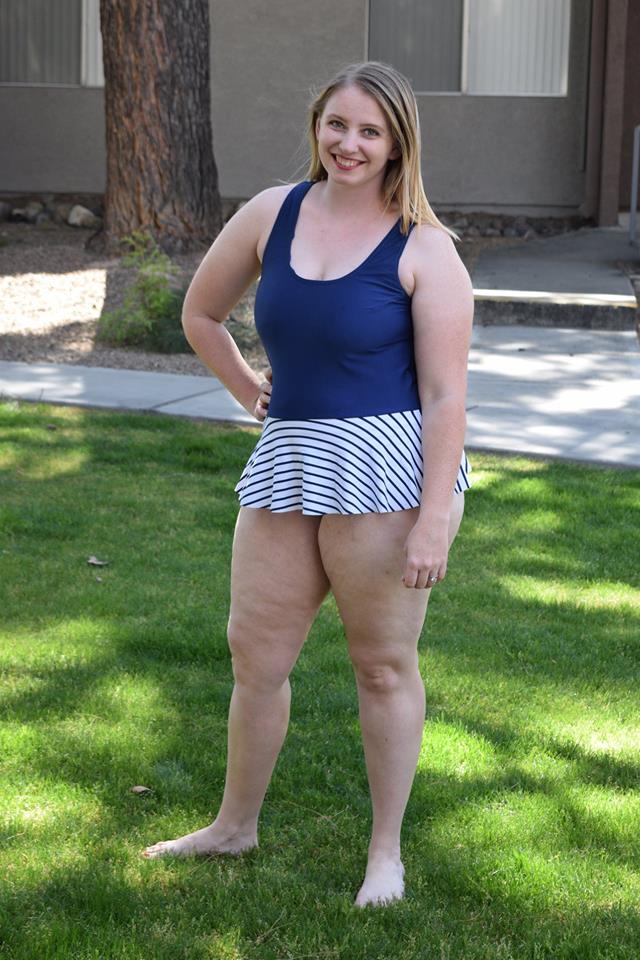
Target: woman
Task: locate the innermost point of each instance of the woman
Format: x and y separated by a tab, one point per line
357	481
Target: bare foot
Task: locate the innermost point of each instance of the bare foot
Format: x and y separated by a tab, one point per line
383	882
209	840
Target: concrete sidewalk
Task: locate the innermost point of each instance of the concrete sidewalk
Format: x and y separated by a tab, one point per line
574	279
533	390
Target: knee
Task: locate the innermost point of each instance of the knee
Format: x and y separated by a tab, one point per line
260	661
383	676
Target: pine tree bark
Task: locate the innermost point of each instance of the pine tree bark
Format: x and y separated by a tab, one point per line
161	172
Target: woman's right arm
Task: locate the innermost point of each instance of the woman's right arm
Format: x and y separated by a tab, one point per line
228	269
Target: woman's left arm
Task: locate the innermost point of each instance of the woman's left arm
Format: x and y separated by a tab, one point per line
442	313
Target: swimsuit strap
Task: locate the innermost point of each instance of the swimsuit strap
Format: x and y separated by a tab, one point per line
279	243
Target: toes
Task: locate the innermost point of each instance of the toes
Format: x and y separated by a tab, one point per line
155	850
380	901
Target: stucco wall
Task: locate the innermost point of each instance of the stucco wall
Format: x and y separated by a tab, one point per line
265	58
52	140
520	153
479	152
631	114
494	152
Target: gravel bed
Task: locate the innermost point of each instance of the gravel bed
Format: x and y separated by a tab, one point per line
53	291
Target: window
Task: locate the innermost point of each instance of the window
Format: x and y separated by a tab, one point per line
484	47
51	43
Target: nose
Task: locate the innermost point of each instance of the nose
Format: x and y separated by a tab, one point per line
349	142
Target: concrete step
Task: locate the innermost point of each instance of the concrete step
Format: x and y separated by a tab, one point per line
586	311
580	279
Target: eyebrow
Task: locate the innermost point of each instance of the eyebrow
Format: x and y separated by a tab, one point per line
337	116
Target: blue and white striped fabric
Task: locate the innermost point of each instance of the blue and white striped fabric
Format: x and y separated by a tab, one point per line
344	465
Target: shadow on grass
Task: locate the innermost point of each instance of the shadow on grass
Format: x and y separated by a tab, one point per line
174	642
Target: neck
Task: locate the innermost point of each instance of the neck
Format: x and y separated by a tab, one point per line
362	202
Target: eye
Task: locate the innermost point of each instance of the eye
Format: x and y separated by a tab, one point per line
335	121
371	130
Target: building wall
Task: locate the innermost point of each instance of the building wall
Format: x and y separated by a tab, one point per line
631	108
479	152
265	59
500	152
52	139
504	153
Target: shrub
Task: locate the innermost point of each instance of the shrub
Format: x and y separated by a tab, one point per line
150	316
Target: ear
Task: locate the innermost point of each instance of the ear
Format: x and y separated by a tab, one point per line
317	127
395	153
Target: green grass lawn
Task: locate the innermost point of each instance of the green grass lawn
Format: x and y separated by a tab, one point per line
521	838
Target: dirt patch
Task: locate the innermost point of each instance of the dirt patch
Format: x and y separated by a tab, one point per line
53	291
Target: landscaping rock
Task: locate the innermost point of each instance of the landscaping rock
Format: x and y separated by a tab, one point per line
61	212
79	216
33	209
28	213
90	212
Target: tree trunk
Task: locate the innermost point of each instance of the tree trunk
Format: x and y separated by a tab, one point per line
161	172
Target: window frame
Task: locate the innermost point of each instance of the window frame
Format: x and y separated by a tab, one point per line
464	56
91	71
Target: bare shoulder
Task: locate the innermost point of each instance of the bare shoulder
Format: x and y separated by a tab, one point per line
233	262
262	206
265	206
273	196
249	227
443	291
431	260
435	249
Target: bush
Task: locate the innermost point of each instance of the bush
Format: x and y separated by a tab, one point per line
150	316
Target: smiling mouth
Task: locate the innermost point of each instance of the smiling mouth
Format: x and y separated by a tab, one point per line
343	162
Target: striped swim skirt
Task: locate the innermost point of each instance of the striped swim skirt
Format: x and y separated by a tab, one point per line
342	465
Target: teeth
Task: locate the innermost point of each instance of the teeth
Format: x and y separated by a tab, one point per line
347	163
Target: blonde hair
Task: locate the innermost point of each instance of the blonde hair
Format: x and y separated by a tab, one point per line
393	93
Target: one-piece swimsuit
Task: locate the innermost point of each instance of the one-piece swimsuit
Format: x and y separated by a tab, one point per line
343	433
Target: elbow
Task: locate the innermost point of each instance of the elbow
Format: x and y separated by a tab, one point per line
451	400
447	407
192	322
187	326
186	319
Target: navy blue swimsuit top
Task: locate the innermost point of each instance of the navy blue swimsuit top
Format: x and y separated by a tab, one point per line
337	348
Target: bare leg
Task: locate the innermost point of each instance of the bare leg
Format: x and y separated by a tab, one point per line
277	586
383	620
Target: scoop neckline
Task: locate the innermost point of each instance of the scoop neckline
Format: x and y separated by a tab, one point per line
345	276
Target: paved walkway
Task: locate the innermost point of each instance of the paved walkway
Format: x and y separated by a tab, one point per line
565	393
573	279
582	263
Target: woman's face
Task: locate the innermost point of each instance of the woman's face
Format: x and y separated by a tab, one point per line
354	137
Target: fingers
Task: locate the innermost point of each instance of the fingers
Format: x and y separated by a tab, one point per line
422	578
261	408
425	556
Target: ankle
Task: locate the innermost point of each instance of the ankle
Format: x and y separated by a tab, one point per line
235	828
384	851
